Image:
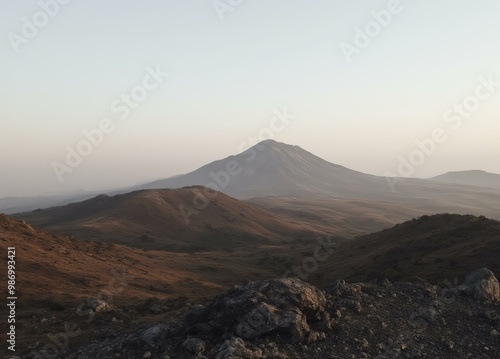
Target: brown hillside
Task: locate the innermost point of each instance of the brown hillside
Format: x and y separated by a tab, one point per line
55	273
152	219
436	248
59	269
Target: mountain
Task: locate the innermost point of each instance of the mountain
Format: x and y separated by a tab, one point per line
187	219
437	248
471	178
276	169
272	168
298	195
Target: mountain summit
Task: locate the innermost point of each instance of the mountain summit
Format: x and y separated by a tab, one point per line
274	168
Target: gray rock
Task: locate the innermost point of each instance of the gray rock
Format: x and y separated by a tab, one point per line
237	349
154	334
262	307
194	346
481	284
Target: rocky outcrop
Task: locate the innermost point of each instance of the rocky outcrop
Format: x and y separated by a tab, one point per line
290	319
236	349
260	308
481	284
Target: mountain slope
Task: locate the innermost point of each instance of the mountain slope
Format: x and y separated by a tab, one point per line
437	248
156	219
276	169
64	270
272	168
471	178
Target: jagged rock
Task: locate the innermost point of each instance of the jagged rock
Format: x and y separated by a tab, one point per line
342	289
288	319
262	307
152	340
154	334
194	346
237	349
481	284
194	314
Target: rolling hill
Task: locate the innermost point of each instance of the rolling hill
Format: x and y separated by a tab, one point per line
437	248
188	219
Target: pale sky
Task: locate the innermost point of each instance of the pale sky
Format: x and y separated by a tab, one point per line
227	77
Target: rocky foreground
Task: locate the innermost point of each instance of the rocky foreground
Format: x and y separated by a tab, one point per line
287	318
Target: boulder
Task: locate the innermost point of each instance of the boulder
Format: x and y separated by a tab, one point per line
237	349
194	346
154	334
481	284
261	308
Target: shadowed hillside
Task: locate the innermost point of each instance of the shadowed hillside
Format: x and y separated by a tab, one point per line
436	248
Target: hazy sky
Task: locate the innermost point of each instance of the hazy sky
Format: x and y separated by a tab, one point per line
229	71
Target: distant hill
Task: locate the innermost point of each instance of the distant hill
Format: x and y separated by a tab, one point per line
437	248
154	219
471	178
